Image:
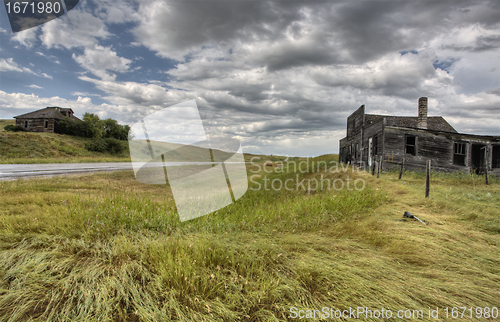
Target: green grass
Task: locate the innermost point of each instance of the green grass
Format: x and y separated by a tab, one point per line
104	247
30	147
27	147
5	122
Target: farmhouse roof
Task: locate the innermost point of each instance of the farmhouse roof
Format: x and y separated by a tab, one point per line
434	123
52	112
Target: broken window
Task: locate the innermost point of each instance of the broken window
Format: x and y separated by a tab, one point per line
46	124
25	124
495	160
411	144
459	153
375	144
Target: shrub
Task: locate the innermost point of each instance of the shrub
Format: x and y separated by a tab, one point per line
107	144
93	127
114	130
13	128
98	145
70	127
114	146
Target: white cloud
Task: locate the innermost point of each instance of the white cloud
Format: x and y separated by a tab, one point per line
117	11
26	37
52	58
100	60
75	29
35	86
20	103
84	94
406	76
138	95
10	65
471	51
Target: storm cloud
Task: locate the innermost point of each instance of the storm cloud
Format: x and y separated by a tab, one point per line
281	76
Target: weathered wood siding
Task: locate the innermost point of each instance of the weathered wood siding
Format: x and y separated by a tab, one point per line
36	125
354	139
438	147
375	132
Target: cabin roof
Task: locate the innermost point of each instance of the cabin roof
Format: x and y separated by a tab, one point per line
434	123
52	112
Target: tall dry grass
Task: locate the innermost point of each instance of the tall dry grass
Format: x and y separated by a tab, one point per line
104	247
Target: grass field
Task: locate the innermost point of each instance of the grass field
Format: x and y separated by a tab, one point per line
5	122
104	247
29	148
26	147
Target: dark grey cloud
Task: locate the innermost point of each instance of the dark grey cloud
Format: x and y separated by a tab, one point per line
180	26
494	92
287	34
267	67
286	74
484	13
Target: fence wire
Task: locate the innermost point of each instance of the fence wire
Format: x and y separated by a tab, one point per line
455	198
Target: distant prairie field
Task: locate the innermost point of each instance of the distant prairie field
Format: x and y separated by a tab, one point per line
5	122
104	247
33	147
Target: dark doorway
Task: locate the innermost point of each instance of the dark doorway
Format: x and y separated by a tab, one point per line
477	158
495	162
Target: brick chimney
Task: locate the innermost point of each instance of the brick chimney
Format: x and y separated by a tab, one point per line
422	113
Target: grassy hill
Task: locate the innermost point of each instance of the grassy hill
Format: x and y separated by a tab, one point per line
104	247
29	147
25	147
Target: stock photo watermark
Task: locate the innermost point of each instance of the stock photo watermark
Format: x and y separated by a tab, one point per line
363	313
205	172
305	184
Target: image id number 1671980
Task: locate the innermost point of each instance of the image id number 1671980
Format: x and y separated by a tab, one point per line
478	312
30	7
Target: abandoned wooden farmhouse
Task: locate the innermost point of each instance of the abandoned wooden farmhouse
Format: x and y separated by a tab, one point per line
44	120
393	139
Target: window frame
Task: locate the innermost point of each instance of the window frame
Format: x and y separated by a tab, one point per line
461	151
415	145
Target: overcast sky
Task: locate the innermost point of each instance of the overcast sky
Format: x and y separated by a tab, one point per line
281	76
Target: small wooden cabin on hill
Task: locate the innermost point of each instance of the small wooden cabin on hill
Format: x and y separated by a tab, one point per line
44	120
416	139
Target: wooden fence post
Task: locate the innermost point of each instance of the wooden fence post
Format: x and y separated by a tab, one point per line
402	167
379	168
428	179
486	165
374	164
